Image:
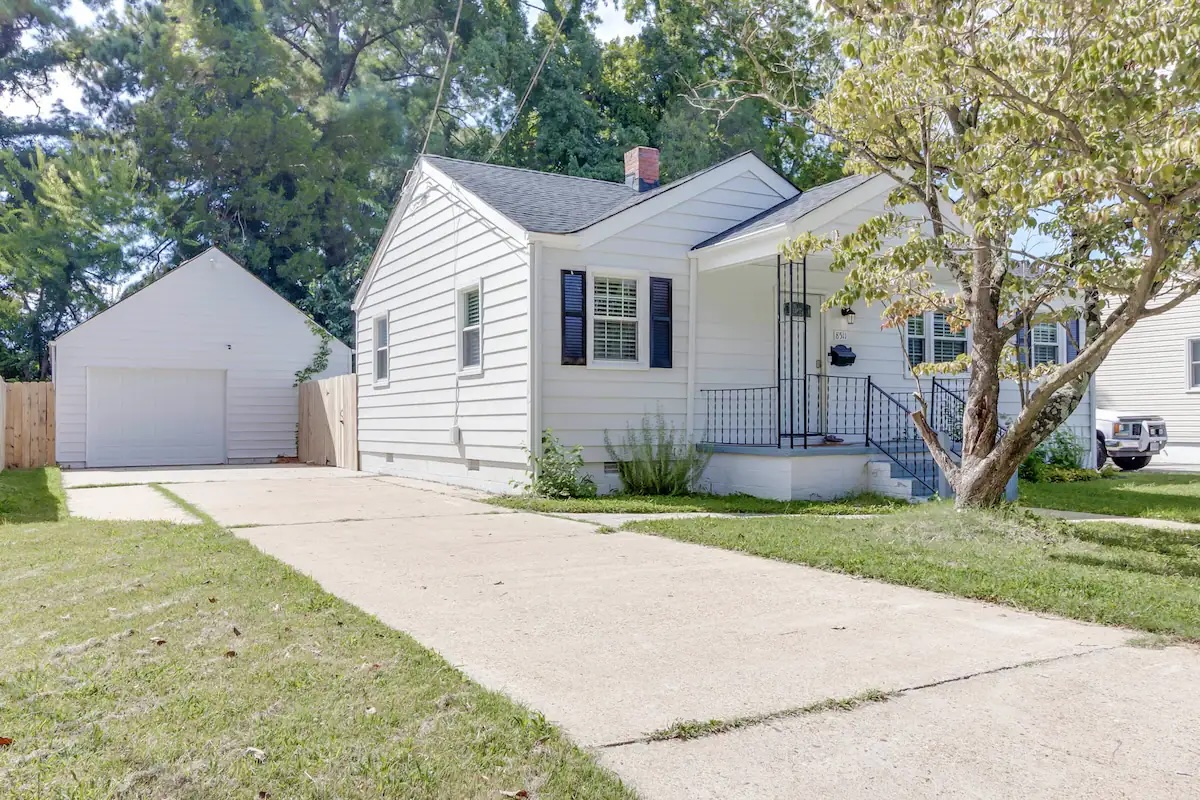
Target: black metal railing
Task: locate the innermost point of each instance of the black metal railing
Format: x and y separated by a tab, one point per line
890	428
947	405
800	412
748	417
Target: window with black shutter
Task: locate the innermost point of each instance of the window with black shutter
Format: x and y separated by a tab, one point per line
660	322
574	317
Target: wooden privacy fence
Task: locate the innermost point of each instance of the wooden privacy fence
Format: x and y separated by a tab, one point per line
329	422
28	433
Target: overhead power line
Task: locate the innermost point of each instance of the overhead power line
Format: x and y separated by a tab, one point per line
529	89
442	83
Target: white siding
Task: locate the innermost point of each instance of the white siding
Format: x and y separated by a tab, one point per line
582	402
439	246
1146	372
207	314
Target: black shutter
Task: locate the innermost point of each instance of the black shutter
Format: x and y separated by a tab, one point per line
660	322
574	317
1024	347
1073	341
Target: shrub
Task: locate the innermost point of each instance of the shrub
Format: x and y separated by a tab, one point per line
1064	449
558	471
656	459
1033	466
1053	473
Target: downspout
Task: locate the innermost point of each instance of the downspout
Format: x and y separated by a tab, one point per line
533	407
693	304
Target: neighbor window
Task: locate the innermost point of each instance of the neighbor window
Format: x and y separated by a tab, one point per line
947	343
1044	343
470	318
381	349
615	319
1193	363
914	341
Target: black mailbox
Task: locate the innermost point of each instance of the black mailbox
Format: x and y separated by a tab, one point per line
841	355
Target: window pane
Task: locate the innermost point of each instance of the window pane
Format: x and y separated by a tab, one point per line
942	330
615	340
471	348
381	332
1044	353
1195	375
916	326
471	307
916	351
615	297
1045	333
948	349
381	363
1194	344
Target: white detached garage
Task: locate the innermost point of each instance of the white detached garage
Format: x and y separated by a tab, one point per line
198	367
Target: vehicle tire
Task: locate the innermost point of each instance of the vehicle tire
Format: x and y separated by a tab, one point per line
1101	452
1131	463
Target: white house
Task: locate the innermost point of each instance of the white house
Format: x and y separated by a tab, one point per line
1154	369
198	367
645	299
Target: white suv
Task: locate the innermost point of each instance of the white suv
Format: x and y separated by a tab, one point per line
1130	440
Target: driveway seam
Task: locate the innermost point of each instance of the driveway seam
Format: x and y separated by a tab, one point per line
244	525
834	705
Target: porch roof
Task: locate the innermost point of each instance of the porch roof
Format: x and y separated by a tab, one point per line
789	210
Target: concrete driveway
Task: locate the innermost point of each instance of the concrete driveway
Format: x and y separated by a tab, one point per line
615	636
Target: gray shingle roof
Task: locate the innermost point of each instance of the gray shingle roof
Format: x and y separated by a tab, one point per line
791	209
546	202
541	202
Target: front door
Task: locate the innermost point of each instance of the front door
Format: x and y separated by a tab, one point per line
801	364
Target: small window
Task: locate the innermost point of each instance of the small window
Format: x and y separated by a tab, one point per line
948	344
1045	343
615	319
470	342
914	341
381	349
1194	363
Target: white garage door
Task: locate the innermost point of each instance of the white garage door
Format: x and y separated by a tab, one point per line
155	417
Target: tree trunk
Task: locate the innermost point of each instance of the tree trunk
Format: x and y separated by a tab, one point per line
983	486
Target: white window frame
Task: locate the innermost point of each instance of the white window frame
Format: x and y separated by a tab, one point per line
909	338
1059	343
643	319
461	327
1189	365
930	341
385	379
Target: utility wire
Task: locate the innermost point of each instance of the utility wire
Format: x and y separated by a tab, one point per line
529	89
442	82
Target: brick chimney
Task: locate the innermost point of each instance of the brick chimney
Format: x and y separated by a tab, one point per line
641	169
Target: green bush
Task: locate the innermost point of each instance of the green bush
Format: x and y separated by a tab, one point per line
1064	449
558	471
1053	473
1032	467
656	459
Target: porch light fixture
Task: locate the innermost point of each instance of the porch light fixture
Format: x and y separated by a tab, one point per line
848	315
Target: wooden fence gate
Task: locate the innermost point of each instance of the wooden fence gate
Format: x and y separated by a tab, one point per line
329	422
27	410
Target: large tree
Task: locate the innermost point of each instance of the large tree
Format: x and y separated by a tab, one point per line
1053	150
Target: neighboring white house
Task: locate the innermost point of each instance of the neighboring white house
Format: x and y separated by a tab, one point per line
1154	369
648	299
198	367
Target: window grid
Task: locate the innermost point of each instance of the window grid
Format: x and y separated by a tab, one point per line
470	343
948	344
915	341
381	349
615	320
1045	343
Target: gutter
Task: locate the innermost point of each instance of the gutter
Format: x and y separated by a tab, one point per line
693	304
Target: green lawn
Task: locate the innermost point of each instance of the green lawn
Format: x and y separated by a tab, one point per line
696	503
1100	572
1160	496
153	660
